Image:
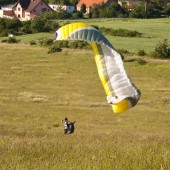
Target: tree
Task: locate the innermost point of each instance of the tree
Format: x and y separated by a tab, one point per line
167	10
7	1
95	10
40	25
26	28
138	12
77	14
83	8
162	50
2	24
113	10
13	24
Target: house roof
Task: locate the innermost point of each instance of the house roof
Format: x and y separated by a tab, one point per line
10	6
34	3
90	3
24	3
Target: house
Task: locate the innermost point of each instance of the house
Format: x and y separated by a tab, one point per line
130	4
69	8
90	3
25	9
7	11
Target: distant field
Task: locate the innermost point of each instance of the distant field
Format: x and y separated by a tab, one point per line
38	90
154	31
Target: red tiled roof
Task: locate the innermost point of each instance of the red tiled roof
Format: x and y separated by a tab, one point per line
90	3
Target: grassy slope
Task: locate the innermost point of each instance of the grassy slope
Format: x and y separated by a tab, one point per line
37	90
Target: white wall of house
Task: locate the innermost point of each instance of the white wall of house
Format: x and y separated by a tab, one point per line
27	16
1	13
87	9
70	9
40	8
19	11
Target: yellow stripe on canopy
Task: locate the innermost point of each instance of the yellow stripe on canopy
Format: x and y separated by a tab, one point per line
69	28
99	64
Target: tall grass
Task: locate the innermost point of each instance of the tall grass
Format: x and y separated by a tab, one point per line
38	90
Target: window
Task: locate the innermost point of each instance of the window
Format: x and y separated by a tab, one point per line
44	9
18	8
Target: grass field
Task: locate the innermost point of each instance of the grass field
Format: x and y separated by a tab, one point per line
37	90
154	31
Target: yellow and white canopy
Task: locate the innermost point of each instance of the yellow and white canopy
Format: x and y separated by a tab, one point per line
121	93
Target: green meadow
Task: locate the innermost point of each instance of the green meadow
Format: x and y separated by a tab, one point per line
38	90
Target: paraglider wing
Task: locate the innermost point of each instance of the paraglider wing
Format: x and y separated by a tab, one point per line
121	93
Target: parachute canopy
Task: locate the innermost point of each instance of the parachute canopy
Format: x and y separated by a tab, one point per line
121	93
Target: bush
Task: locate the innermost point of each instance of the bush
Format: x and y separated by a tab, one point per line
79	45
77	15
10	40
61	44
33	42
72	44
123	51
141	61
162	50
4	41
4	33
141	53
26	28
40	25
46	42
53	49
120	32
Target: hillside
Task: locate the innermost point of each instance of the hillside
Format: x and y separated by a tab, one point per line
38	90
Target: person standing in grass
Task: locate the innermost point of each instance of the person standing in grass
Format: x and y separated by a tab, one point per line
68	126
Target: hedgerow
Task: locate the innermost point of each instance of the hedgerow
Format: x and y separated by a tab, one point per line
120	32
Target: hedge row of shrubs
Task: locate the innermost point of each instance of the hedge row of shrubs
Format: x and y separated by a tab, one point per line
120	32
16	27
10	40
162	49
57	45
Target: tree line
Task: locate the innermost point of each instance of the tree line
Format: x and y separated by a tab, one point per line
63	2
17	27
147	9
